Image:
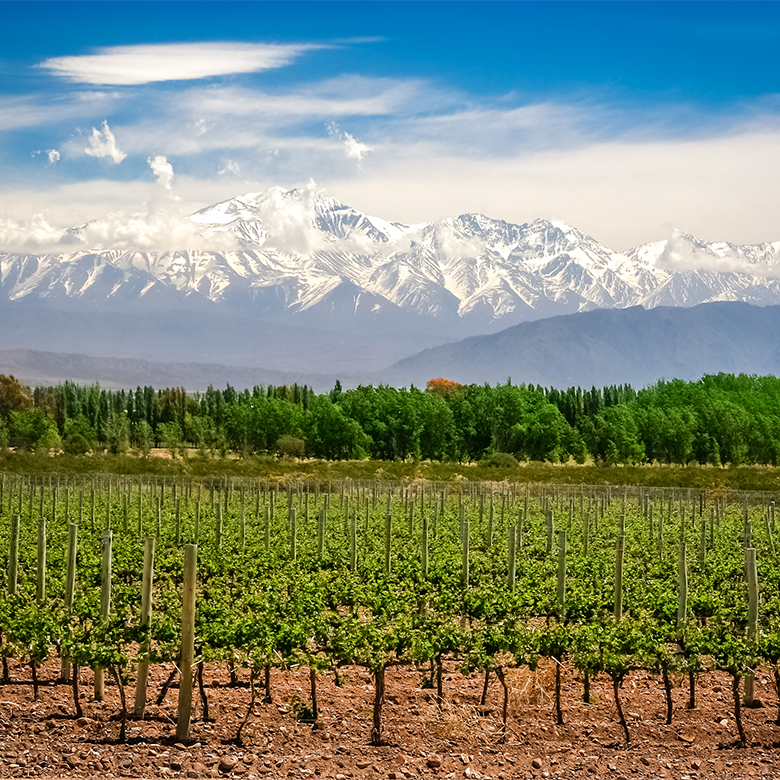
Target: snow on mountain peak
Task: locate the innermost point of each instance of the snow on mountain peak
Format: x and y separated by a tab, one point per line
287	251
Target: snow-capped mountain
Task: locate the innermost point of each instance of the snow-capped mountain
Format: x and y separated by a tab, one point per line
300	256
292	251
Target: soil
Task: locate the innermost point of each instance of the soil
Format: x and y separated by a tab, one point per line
44	739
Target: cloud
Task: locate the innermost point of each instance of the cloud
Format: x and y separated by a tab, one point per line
683	252
144	64
231	166
623	194
161	227
163	170
52	155
103	144
38	233
149	231
46	109
353	148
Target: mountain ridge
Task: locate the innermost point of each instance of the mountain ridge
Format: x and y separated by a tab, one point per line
609	346
600	347
298	259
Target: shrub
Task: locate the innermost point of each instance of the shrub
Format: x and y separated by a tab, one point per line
291	447
500	460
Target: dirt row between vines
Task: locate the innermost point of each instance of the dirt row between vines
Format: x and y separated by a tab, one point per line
44	739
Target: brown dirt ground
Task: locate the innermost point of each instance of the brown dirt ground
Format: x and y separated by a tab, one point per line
43	739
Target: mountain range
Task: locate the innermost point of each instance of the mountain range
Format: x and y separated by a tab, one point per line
294	280
606	346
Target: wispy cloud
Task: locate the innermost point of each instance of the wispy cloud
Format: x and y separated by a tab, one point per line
162	226
103	144
354	149
52	155
163	171
144	64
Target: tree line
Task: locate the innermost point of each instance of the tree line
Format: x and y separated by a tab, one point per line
719	419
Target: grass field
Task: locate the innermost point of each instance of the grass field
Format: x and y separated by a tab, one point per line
160	463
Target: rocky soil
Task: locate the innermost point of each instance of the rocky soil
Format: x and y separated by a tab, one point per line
44	739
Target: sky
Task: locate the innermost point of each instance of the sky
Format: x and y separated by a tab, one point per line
628	120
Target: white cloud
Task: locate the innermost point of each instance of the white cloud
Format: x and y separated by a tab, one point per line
353	148
683	252
143	64
623	194
231	166
52	155
38	233
44	110
149	231
103	144
163	170
162	226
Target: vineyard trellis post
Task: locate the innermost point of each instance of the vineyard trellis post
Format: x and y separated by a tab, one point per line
682	584
13	563
105	604
146	616
184	709
70	587
618	608
752	617
40	579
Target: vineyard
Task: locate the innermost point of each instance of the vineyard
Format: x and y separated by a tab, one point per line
287	591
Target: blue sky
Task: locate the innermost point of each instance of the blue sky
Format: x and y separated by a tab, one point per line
626	119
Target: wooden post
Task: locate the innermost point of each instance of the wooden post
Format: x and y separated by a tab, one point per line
561	589
618	610
752	626
140	508
703	545
13	563
293	534
586	534
218	529
512	558
682	584
187	643
769	536
520	523
464	538
178	521
353	541
70	588
388	540
550	529
146	617
320	532
424	560
242	528
105	605
40	590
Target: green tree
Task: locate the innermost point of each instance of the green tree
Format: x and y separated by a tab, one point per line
79	436
117	433
144	437
14	396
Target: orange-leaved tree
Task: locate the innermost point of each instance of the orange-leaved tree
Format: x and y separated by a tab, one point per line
442	387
